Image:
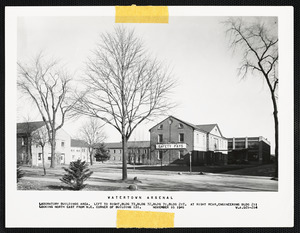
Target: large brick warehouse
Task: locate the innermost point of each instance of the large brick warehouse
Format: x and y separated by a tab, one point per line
172	141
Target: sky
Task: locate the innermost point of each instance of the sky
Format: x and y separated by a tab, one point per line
208	89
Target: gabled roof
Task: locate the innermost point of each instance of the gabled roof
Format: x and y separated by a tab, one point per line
130	144
78	143
187	123
209	127
29	127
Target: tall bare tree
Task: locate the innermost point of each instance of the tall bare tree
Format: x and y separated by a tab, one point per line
124	86
259	44
92	133
40	138
49	86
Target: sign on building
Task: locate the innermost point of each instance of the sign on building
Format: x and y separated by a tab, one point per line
171	146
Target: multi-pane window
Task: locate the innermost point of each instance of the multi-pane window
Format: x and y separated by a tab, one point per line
160	138
181	137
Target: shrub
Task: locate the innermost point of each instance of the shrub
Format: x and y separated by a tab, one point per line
76	174
20	173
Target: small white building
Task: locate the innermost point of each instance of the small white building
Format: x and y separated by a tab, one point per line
79	150
27	143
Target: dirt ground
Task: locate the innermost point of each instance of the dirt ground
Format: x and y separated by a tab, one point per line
108	177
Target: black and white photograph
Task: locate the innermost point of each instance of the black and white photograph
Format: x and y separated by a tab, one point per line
145	110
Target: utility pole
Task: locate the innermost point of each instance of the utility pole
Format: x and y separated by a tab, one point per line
190	154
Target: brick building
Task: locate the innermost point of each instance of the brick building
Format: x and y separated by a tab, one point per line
138	152
173	140
249	150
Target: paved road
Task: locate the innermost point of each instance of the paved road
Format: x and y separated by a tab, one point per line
110	179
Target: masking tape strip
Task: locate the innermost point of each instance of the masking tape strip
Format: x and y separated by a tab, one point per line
142	14
144	219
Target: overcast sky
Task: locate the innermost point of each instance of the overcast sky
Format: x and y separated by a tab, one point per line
208	89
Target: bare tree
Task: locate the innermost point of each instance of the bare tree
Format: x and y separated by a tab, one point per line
92	133
40	138
259	44
49	86
124	86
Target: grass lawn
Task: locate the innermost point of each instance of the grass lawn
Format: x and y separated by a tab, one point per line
108	177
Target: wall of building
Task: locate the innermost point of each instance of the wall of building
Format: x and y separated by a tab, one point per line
249	149
62	150
81	153
216	142
170	134
200	139
115	155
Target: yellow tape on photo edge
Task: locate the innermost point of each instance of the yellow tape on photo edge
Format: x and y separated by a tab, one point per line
142	14
144	219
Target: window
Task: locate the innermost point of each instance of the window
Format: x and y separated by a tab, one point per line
23	141
160	127
120	158
160	155
40	156
180	154
181	137
49	157
160	138
62	144
113	157
114	151
120	151
145	151
216	143
180	126
73	156
83	150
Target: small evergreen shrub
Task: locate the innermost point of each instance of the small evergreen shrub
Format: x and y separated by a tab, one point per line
20	173
76	174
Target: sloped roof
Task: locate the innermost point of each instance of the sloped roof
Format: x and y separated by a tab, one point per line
78	143
207	128
29	127
185	122
131	144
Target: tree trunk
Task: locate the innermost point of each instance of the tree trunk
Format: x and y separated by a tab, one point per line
124	158
52	165
275	114
91	156
29	161
43	160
